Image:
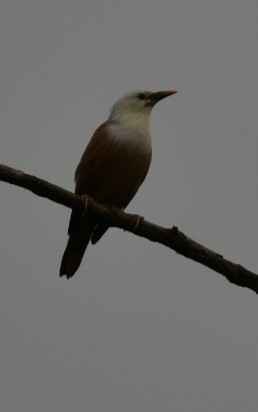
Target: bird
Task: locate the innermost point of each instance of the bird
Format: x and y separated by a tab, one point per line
112	168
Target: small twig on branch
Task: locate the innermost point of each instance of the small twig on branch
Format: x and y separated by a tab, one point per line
170	237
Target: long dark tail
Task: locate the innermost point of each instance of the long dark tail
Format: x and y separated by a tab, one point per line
74	251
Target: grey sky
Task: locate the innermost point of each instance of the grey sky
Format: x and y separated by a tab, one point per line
138	328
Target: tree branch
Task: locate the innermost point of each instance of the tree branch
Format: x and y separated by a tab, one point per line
170	237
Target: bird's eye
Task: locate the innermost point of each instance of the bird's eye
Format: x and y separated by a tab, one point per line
141	96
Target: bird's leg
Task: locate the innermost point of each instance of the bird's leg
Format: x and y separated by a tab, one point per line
137	219
87	200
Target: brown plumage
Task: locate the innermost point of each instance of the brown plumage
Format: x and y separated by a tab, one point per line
111	170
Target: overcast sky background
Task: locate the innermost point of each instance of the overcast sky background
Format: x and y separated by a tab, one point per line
138	328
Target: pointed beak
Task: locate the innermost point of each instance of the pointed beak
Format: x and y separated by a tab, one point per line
156	97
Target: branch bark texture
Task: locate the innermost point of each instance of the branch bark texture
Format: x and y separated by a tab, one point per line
170	237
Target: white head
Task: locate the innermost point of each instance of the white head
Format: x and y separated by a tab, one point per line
137	103
129	119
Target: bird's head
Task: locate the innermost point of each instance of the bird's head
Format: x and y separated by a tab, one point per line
139	102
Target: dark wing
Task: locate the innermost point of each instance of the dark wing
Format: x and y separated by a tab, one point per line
110	172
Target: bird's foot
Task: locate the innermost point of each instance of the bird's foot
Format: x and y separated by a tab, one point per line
137	219
87	200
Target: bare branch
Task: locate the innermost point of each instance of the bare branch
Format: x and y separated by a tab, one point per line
170	237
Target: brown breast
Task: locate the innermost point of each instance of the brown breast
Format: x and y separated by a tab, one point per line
111	171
